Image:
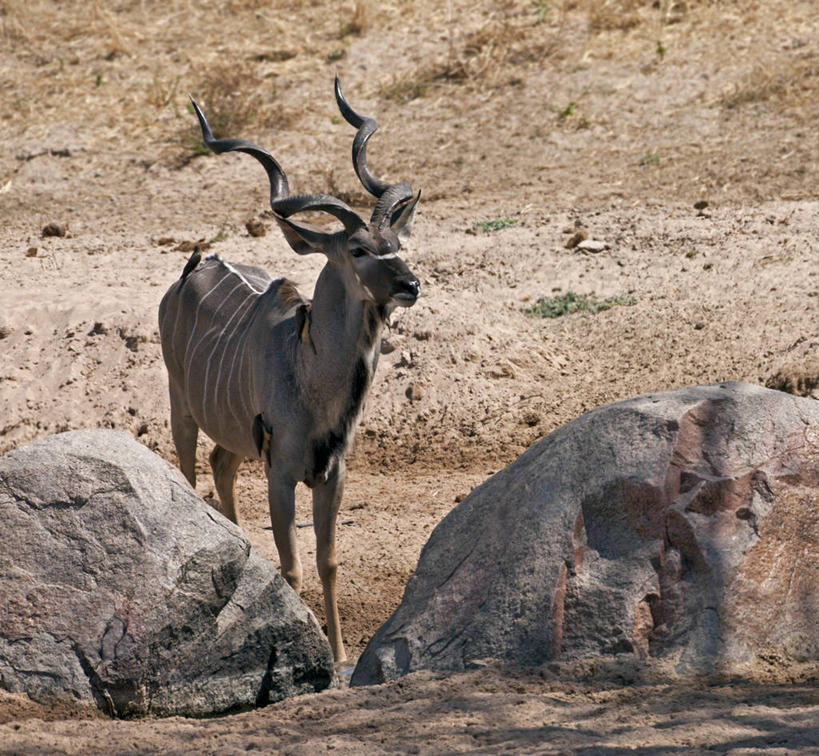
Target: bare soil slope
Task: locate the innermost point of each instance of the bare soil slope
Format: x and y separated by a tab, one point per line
613	117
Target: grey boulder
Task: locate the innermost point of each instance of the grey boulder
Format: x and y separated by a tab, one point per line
681	525
121	589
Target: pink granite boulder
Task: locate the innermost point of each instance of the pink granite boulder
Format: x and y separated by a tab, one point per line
682	525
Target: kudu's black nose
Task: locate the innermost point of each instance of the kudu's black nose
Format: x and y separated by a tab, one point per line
406	291
411	287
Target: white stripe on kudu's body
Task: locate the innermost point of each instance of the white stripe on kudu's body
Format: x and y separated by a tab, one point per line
232	339
266	373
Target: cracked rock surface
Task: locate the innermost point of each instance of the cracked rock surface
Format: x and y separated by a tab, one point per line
122	589
680	526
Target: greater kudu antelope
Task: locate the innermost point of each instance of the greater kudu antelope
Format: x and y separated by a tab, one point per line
266	373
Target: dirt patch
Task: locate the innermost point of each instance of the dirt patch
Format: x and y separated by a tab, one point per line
680	135
489	710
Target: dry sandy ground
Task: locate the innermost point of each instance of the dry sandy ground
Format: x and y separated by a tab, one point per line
616	117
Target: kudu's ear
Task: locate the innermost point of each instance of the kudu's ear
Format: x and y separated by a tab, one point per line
303	240
401	222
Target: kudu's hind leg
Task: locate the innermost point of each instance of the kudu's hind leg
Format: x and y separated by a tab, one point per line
185	432
326	503
225	464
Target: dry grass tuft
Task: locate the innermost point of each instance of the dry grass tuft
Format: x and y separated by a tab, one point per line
788	82
223	95
163	92
628	14
613	14
12	28
483	54
233	101
24	24
107	20
358	22
413	84
354	196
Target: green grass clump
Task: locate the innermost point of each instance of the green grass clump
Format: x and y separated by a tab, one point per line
496	225
541	11
565	304
220	237
567	111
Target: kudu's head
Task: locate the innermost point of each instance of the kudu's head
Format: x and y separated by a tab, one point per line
365	253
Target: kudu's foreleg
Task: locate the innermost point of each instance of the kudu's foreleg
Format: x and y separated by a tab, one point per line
281	494
326	503
225	464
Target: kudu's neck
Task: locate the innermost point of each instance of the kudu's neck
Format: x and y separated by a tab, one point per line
344	328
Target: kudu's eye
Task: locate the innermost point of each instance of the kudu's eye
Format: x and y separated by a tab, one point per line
358	251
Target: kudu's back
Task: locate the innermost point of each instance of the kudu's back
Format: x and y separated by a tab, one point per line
214	321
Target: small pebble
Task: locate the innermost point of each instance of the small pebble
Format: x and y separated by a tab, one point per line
591	245
98	329
53	229
580	235
414	392
256	227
